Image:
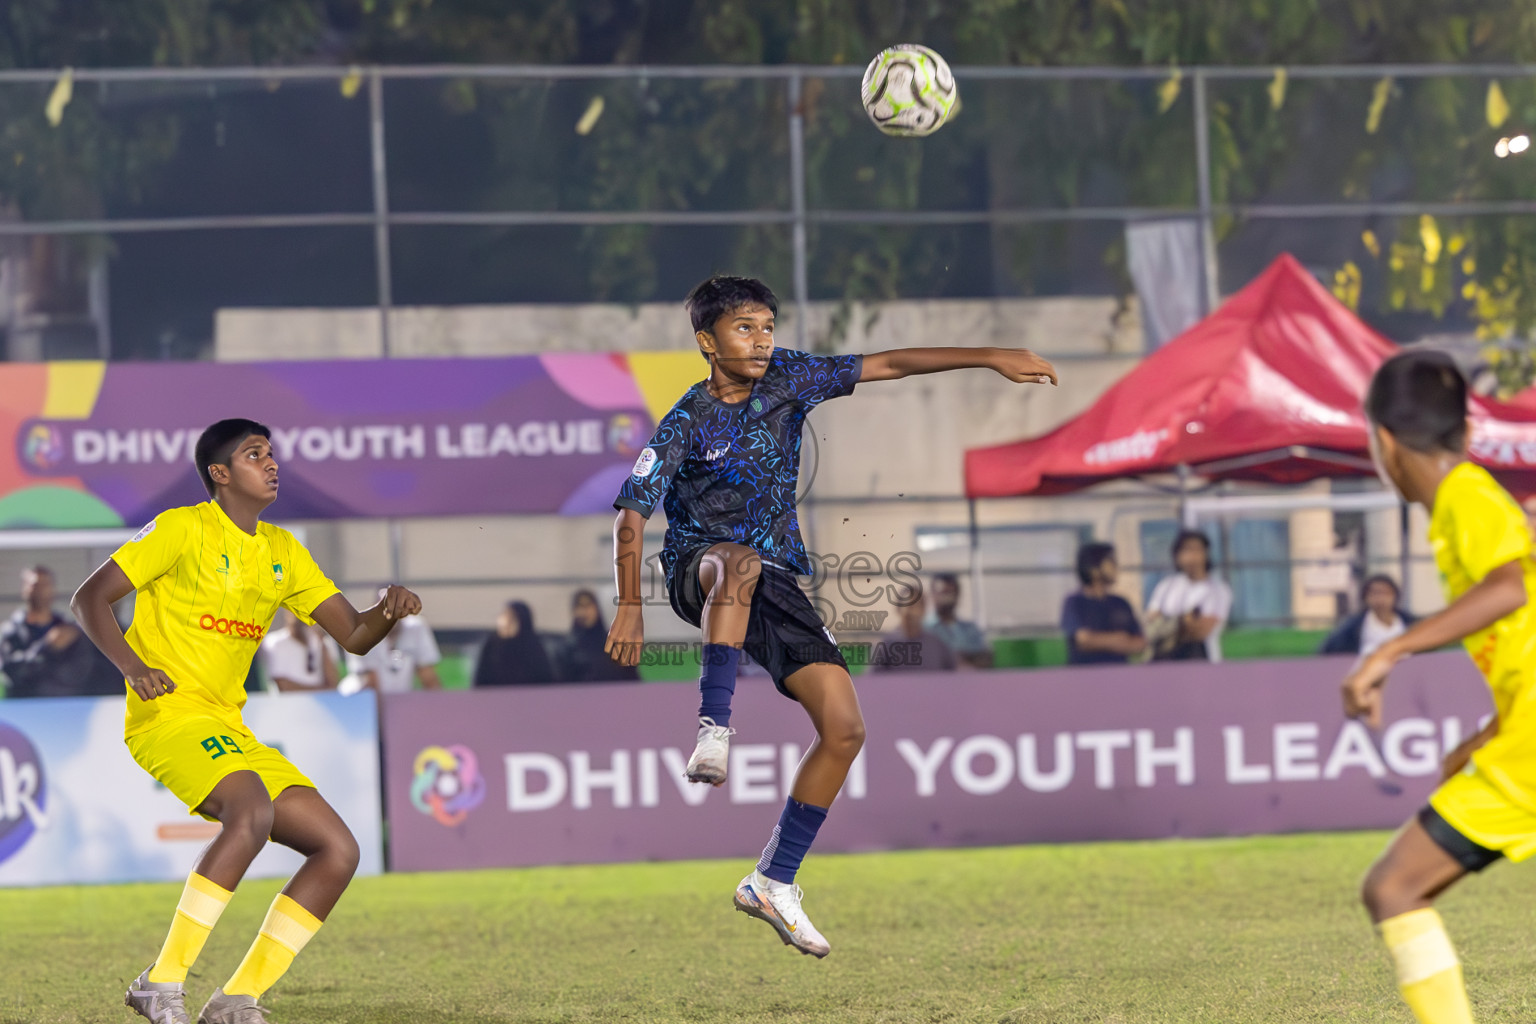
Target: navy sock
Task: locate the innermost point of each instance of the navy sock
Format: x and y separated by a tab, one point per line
792	839
717	683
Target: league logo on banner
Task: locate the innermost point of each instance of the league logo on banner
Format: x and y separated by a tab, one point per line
448	784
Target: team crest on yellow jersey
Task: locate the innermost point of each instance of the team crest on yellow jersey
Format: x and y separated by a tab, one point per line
277	572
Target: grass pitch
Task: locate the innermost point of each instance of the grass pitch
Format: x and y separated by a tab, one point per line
1227	931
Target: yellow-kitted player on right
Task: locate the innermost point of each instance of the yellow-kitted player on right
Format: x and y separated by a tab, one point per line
1486	806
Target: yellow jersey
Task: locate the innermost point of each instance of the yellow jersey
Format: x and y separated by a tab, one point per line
1476	527
207	593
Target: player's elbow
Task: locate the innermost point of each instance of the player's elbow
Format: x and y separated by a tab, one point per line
1514	594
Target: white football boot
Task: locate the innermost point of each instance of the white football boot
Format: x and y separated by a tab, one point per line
163	1002
711	753
778	903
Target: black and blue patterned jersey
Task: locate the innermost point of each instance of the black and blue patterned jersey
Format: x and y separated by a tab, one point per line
727	472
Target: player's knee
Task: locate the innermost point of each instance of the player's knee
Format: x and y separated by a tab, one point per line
250	820
1381	893
344	854
844	736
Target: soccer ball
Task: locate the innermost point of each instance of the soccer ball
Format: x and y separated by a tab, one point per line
909	90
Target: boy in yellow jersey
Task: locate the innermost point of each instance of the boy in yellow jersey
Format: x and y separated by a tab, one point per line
1486	806
210	578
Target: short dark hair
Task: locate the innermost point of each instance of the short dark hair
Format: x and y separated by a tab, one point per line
217	445
1090	556
1420	398
1185	536
948	578
1380	577
712	299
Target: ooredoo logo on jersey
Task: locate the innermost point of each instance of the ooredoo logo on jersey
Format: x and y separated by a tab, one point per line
233	627
23	791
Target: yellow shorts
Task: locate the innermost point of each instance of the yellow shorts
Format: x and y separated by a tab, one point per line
1481	812
189	756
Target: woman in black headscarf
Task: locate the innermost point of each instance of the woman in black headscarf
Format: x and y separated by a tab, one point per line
585	660
513	655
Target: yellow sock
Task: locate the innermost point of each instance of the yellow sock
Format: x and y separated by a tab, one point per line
286	930
201	904
1428	973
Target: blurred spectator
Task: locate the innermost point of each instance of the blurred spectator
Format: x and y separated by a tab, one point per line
1101	627
297	658
583	659
1378	621
965	639
912	647
408	654
43	654
1187	610
513	655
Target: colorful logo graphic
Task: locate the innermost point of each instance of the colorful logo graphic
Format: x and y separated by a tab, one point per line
23	791
43	447
448	784
624	433
277	572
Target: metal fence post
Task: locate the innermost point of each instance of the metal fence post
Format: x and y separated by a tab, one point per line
1210	292
797	207
380	205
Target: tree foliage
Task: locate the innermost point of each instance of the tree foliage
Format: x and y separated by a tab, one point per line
663	144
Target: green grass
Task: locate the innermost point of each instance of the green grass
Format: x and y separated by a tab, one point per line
1228	931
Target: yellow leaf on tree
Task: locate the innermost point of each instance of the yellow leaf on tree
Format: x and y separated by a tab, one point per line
1168	92
1469	265
1277	89
1429	236
1378	105
353	82
589	117
1497	106
1469	290
1457	243
1371	244
58	99
1427	278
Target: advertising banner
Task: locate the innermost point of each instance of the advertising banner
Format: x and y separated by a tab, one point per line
547	775
74	807
96	444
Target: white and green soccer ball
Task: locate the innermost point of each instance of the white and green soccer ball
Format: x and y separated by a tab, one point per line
909	90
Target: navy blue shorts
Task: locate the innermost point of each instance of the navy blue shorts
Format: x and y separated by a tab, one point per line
784	632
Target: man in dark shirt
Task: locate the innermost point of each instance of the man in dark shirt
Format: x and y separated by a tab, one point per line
40	651
1101	627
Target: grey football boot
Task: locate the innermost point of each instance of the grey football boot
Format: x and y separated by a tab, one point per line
160	1002
223	1009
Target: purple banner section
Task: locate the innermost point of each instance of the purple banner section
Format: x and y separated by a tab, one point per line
586	774
408	437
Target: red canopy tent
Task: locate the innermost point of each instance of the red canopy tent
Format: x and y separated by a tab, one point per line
1267	388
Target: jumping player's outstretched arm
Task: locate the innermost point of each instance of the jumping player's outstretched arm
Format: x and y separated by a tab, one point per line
627	633
1493	597
1017	364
